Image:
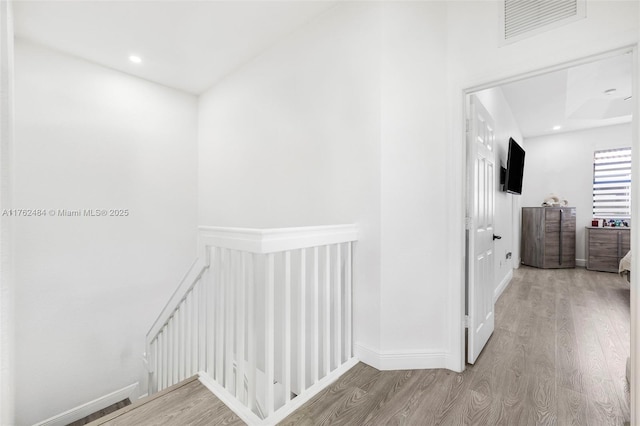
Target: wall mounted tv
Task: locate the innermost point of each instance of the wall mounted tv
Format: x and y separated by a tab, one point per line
515	168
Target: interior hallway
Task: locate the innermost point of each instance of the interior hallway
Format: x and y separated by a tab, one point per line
557	357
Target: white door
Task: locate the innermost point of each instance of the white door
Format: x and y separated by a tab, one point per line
480	228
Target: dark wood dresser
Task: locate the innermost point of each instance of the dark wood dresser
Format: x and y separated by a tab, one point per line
549	237
606	246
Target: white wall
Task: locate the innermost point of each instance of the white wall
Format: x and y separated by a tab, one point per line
357	118
337	124
292	139
88	288
507	206
413	185
475	60
563	164
7	285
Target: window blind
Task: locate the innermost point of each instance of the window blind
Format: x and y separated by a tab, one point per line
612	183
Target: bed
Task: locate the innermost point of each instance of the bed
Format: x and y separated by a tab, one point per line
625	266
625	270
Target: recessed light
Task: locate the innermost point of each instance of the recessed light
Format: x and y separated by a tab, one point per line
135	59
609	92
557	127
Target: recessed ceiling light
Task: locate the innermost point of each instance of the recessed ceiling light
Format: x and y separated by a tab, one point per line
557	127
610	92
135	59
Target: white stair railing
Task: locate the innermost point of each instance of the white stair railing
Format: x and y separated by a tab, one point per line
263	316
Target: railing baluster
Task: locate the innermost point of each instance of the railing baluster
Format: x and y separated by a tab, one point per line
347	306
229	288
176	346
220	318
156	366
337	307
302	341
251	335
170	352
315	325
240	334
181	336
286	373
202	325
165	351
269	335
327	311
194	330
188	302
161	362
211	303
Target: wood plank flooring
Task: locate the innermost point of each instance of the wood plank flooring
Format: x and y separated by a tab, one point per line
557	357
186	403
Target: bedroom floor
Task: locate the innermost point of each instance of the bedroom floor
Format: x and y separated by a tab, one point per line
557	357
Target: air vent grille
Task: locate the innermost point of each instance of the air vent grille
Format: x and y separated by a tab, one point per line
523	16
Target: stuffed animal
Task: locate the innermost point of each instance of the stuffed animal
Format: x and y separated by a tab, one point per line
553	200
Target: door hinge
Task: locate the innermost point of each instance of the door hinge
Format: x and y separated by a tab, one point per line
468	221
466	321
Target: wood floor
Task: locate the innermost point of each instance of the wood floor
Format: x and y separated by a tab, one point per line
186	403
557	357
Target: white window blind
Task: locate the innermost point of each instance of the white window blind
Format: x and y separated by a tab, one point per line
612	183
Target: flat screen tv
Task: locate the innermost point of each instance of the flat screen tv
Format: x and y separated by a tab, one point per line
515	168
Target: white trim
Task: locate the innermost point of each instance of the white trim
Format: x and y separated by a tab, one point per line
401	360
251	418
263	241
245	414
635	241
84	410
502	286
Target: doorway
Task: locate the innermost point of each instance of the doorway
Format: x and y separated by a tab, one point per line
580	105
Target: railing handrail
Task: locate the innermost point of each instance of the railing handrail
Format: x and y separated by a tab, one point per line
272	240
190	278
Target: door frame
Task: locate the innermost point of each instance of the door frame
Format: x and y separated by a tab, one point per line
458	293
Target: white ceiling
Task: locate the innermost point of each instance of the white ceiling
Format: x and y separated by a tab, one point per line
188	45
573	98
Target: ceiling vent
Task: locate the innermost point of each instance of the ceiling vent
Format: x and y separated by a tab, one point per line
524	18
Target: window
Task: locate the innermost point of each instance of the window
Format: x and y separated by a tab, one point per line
612	184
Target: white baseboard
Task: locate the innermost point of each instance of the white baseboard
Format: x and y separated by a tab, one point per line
581	263
401	360
252	419
502	286
84	410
